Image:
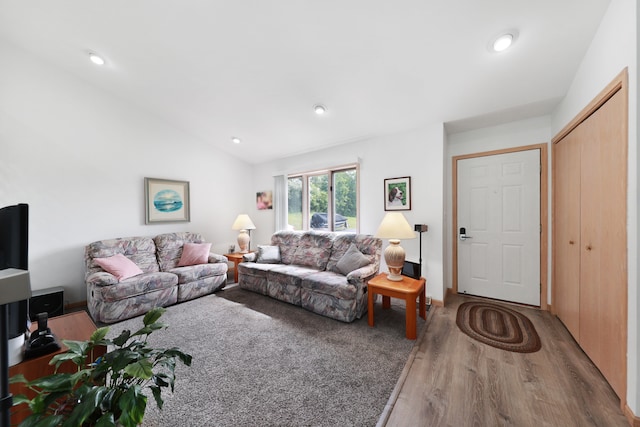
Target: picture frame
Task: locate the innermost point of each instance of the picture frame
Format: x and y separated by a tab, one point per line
397	194
264	200
166	201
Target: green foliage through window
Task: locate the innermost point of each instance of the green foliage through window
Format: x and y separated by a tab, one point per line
310	194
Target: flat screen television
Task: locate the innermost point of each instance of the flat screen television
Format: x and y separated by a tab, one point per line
14	253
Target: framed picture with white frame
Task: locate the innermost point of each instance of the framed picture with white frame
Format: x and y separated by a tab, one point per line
397	194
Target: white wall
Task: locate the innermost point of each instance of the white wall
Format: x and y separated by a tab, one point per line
614	47
417	154
78	157
514	134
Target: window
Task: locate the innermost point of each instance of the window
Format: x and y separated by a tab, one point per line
324	200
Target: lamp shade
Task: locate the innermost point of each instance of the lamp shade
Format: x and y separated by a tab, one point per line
394	226
243	222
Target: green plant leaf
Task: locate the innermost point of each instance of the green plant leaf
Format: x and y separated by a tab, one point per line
157	395
55	382
140	369
39	421
18	378
106	421
184	357
77	347
132	403
153	315
88	405
98	335
122	338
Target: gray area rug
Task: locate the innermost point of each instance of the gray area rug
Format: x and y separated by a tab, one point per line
262	362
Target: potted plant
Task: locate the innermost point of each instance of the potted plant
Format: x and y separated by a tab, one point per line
109	391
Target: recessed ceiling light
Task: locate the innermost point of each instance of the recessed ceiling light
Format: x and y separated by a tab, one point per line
319	109
503	41
235	140
96	59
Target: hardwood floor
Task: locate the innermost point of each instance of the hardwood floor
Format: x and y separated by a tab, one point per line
457	381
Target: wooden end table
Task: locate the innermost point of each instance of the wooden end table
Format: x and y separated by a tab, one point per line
76	326
236	258
408	289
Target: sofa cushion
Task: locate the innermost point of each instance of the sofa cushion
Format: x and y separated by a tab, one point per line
138	285
288	242
369	246
327	282
195	272
314	250
194	253
119	265
169	247
353	259
268	254
140	250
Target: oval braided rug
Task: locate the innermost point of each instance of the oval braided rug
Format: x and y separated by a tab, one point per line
498	326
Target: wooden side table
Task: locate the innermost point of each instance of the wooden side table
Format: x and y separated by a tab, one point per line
236	258
408	289
76	326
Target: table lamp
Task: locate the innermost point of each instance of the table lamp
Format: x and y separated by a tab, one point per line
394	226
243	223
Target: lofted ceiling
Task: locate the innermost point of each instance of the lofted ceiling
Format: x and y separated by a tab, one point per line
255	68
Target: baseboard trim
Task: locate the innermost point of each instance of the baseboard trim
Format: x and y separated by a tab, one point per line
634	421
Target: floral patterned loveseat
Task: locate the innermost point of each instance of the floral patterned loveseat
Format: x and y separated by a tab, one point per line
161	282
309	270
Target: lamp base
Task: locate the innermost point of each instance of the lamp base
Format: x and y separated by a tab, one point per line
394	257
243	241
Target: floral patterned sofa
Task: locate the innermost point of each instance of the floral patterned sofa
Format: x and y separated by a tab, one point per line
309	270
160	280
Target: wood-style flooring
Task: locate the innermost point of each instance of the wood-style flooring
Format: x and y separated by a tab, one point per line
457	381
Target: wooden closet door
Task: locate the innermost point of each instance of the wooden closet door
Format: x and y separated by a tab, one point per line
566	231
603	241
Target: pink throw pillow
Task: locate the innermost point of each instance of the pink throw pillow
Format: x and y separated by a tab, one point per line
194	254
120	266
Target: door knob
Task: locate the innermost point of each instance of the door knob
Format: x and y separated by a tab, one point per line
463	234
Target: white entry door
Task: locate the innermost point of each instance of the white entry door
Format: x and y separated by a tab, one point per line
499	226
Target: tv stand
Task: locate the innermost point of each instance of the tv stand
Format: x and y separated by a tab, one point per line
76	326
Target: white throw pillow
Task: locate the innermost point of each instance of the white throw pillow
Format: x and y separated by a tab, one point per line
268	254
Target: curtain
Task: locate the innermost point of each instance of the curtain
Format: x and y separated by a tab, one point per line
280	201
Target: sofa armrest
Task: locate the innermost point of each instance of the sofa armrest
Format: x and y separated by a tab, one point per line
250	257
101	278
215	258
362	274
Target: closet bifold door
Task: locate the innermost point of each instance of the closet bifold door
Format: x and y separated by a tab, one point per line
566	232
603	238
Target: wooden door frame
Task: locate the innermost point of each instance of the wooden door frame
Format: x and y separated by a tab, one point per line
544	194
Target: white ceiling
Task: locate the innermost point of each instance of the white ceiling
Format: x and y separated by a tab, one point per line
255	68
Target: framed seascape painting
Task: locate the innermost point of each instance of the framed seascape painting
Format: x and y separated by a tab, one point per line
397	194
166	201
